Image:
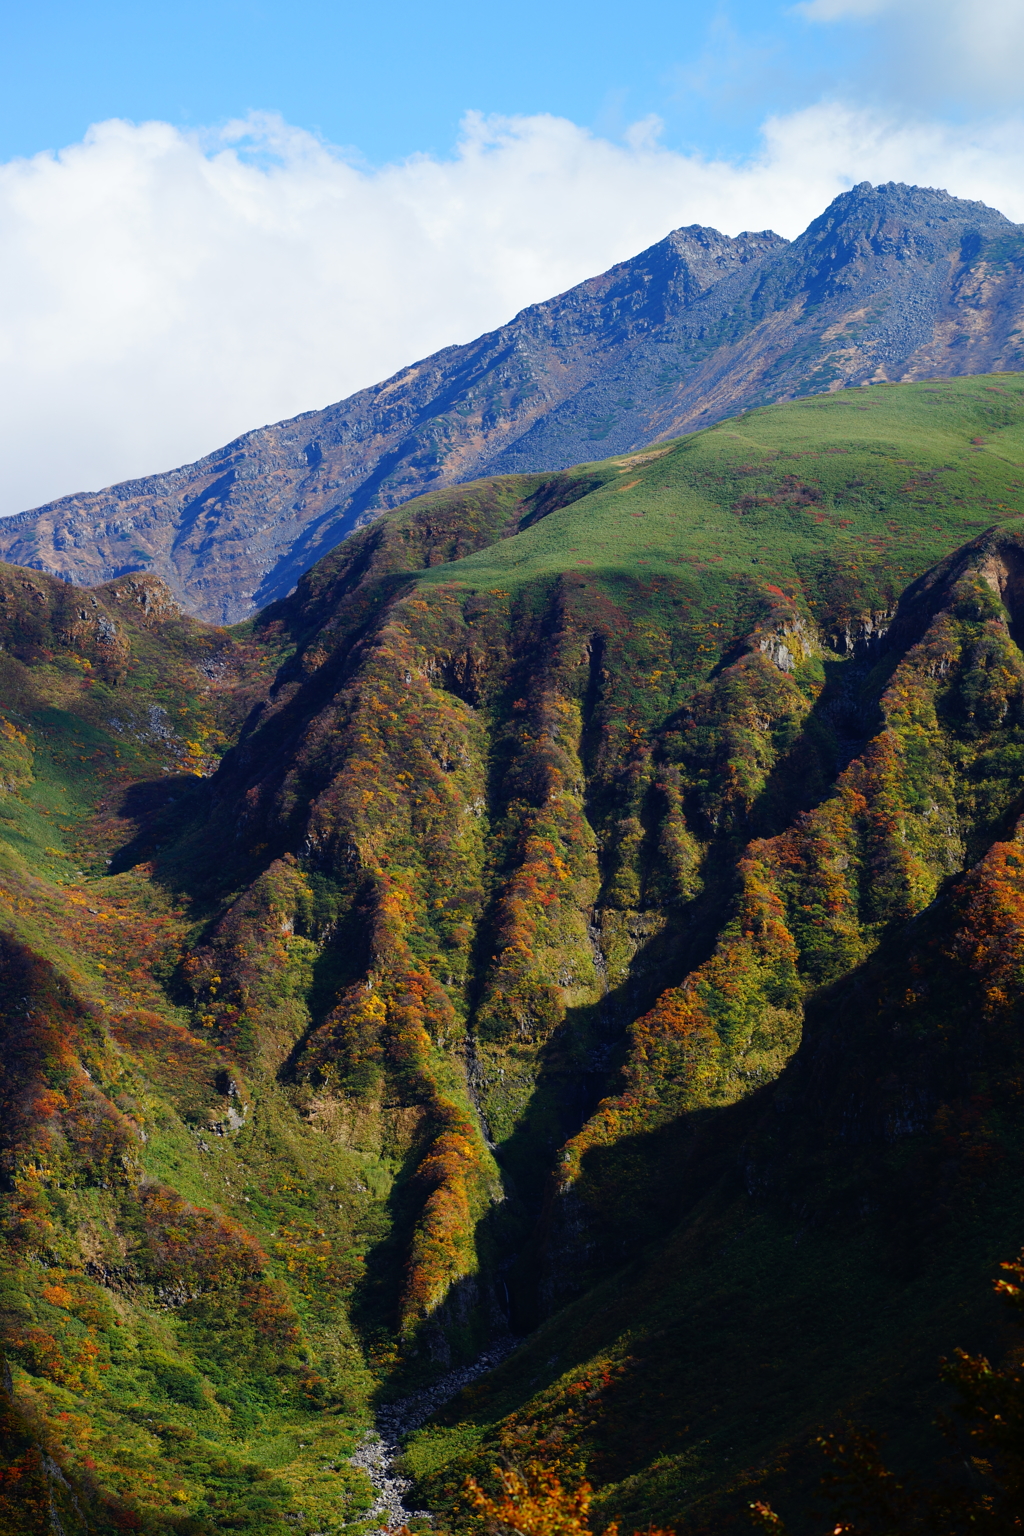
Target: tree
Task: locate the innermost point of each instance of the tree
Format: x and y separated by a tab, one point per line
538	1505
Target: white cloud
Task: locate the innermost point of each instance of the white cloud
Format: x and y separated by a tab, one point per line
160	293
844	10
936	50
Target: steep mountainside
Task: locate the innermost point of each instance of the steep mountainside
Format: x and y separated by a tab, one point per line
604	928
892	282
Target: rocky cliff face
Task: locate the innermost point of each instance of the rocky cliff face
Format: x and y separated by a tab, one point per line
891	283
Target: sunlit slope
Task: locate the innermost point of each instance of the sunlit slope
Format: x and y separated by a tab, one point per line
852	493
794	1196
811	1247
552	810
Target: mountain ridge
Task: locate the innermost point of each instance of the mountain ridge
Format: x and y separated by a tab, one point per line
891	281
588	909
413	404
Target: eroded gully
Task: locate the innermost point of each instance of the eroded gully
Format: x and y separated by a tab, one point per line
379	1450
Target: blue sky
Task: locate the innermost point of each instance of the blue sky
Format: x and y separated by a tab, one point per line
395	79
217	215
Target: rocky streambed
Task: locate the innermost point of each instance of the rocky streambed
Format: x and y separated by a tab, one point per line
379	1450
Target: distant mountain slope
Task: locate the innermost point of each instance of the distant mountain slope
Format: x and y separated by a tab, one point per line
892	282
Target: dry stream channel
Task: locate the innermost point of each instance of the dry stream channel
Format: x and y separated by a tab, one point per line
380	1449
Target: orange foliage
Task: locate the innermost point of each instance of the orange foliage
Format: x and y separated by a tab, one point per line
55	1123
70	1363
990	938
442	1248
538	1505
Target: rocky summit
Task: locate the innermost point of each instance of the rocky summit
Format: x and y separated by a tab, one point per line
890	283
542	1001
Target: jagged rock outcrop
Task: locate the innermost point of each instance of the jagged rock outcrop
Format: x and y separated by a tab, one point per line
890	283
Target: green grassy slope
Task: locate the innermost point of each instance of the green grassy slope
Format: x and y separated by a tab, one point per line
112	709
854	492
460	993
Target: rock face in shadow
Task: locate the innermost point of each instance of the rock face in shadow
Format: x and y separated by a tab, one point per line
890	283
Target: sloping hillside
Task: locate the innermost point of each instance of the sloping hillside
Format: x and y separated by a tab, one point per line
601	926
891	282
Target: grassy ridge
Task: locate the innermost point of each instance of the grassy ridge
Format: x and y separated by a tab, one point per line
856	492
559	791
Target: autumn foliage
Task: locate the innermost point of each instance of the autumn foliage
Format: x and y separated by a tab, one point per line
535	1503
521	921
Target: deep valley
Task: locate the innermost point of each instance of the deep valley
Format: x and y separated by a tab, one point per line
581	925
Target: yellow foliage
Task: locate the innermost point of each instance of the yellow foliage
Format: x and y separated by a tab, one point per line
538	1505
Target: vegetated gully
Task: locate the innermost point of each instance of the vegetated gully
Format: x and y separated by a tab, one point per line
380	1449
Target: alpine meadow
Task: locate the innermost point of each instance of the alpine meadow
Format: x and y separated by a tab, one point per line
549	989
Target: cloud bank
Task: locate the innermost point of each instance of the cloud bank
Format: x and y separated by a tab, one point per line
161	292
934	52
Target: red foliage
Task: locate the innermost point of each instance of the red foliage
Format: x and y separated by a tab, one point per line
55	1124
194	1254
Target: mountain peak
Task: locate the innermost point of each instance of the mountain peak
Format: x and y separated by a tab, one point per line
900	199
891	282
